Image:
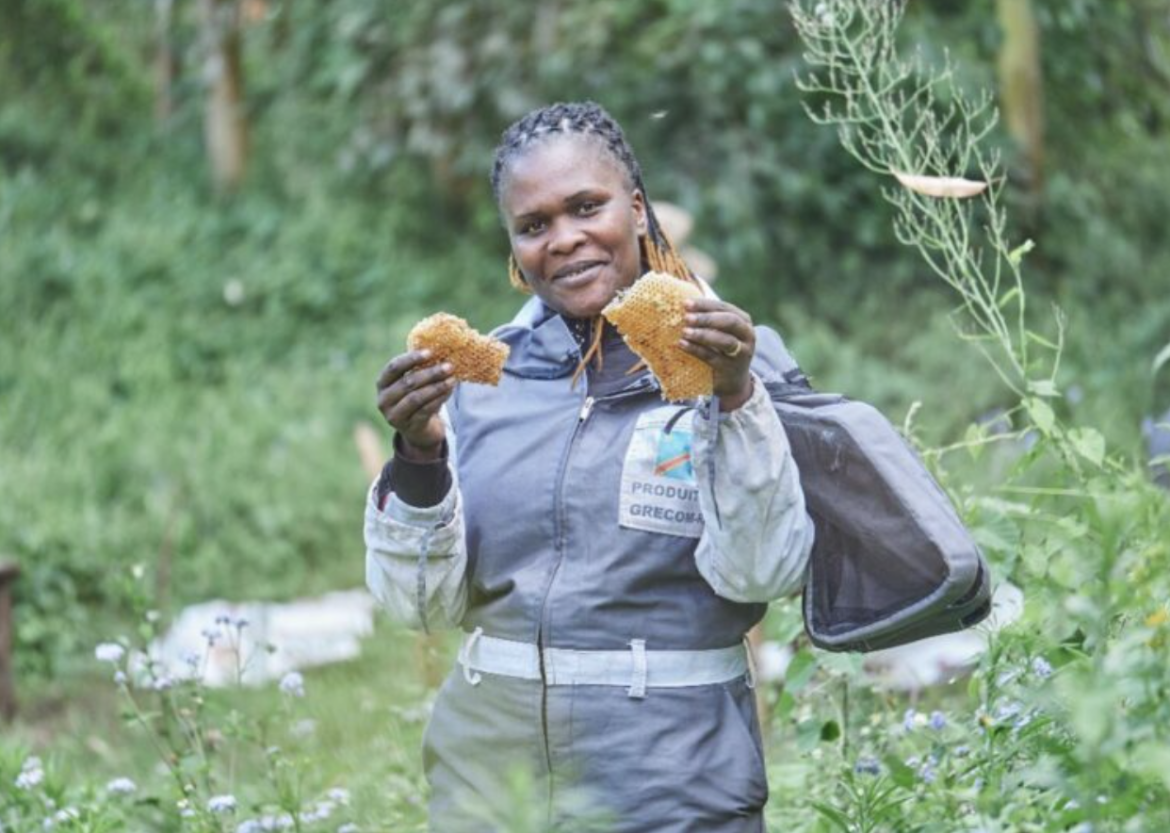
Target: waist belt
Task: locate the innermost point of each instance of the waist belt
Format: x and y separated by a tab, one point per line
636	668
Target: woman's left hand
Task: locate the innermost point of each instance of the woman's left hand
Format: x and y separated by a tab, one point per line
722	335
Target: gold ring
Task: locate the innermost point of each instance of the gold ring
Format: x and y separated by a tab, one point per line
731	354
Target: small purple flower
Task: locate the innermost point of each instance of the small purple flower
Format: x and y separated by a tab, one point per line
293	684
320	812
1007	711
867	766
927	774
120	678
909	719
282	822
223	620
938	721
339	794
1021	721
121	786
1041	668
211	636
222	804
349	827
163	683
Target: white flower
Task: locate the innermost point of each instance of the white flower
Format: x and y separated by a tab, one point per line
222	804
109	652
31	774
349	828
60	817
29	778
293	684
249	826
121	786
339	794
324	810
282	822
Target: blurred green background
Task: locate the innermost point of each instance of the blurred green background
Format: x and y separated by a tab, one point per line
188	338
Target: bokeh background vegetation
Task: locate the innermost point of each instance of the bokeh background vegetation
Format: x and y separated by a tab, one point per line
184	355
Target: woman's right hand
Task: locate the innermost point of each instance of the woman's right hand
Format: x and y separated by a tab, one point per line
410	396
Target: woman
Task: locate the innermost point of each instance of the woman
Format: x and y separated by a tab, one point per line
605	551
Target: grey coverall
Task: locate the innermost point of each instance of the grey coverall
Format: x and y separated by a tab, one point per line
585	520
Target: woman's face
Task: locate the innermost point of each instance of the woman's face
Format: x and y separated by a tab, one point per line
574	223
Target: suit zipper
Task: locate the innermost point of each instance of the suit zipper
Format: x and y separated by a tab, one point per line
560	536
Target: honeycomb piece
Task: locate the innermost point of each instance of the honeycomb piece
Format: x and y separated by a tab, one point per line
650	317
476	358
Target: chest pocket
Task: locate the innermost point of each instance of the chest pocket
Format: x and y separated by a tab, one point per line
659	493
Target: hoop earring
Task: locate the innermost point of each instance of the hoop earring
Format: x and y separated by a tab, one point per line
516	277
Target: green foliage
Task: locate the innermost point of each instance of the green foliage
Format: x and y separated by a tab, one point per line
73	58
1085	536
185	757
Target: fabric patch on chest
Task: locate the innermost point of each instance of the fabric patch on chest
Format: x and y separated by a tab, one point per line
659	493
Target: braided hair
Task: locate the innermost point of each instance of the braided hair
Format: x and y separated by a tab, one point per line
590	120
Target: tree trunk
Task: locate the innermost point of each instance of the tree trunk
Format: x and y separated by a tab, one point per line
165	63
8	575
1021	88
225	123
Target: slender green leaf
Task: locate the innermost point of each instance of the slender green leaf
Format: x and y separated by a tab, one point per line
839	819
1039	339
901	774
1089	443
1042	415
1161	359
1044	387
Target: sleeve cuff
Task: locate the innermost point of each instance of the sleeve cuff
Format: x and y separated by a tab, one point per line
417	484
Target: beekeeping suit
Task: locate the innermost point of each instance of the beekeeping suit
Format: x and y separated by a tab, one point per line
604	552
